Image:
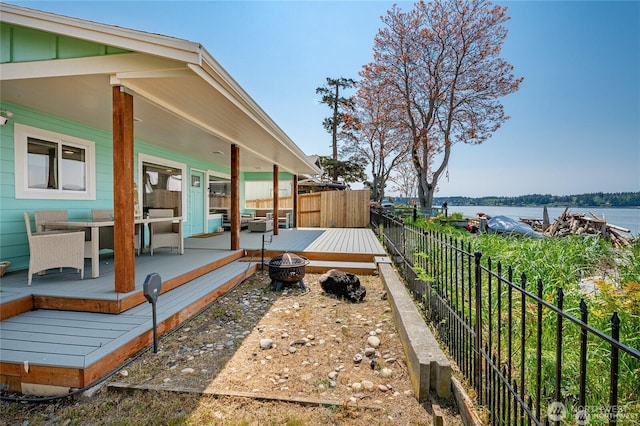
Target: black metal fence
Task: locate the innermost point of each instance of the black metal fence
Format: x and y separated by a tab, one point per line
528	360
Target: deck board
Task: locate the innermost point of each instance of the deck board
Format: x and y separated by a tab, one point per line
52	348
59	319
50	338
341	240
35	327
66	327
42	358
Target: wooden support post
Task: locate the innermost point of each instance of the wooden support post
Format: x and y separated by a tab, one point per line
295	201
276	200
235	197
123	203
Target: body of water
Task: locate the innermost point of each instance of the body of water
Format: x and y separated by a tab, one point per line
625	218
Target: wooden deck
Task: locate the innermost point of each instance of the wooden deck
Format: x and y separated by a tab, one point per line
63	332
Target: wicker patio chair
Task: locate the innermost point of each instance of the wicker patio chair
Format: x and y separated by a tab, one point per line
51	249
97	214
44	216
106	233
284	219
164	234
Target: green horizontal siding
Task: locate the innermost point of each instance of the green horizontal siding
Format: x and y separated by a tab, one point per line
20	44
267	176
13	239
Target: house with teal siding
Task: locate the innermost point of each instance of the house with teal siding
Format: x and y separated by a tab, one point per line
96	116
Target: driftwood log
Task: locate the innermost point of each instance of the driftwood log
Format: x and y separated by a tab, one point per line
582	224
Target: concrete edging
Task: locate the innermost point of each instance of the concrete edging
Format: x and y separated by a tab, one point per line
428	366
465	405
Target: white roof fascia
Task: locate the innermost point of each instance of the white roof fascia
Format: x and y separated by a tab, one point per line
123	38
126	62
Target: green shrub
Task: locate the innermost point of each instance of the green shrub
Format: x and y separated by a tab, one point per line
563	263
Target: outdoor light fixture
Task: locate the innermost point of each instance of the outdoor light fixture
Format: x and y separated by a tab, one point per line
5	116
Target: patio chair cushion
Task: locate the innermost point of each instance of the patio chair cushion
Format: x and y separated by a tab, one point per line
43	216
164	234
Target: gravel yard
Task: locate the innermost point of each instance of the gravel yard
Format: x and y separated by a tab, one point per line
257	356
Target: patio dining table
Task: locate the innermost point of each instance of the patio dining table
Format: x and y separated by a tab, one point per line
95	225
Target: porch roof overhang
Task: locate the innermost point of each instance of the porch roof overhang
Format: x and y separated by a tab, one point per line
183	99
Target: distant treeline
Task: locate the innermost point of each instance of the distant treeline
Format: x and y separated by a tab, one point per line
596	199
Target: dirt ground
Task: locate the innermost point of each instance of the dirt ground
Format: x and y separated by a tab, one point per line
257	356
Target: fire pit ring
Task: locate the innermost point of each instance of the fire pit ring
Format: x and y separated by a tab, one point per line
287	268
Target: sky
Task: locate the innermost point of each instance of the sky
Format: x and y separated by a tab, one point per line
574	123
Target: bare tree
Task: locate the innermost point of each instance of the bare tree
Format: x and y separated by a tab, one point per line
371	132
442	62
405	180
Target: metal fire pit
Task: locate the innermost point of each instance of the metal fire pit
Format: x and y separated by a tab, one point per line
287	268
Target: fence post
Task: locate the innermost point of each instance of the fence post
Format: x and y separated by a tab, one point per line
426	266
613	390
583	355
478	328
403	240
558	394
523	322
539	351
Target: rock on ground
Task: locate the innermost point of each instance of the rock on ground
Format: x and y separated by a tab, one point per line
343	284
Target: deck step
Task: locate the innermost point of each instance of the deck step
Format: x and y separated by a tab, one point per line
60	341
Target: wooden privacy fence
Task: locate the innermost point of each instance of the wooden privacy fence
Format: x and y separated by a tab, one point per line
334	209
284	202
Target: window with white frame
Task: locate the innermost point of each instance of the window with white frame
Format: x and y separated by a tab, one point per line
163	185
219	185
51	165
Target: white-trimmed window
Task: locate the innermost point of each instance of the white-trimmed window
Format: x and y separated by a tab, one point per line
51	165
163	184
219	186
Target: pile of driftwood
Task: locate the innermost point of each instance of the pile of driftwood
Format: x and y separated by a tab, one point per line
581	224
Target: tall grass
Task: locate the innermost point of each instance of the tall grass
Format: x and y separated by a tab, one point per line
563	263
